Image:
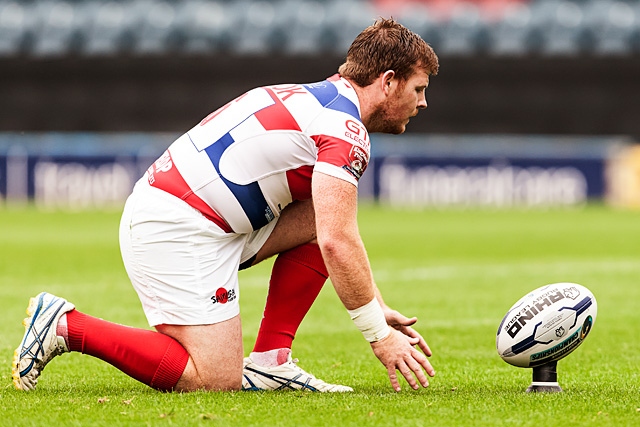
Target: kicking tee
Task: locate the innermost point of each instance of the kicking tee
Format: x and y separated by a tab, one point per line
243	163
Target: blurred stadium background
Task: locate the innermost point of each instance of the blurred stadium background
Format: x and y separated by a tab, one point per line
537	102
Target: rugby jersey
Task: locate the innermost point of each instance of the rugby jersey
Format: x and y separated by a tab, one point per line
242	164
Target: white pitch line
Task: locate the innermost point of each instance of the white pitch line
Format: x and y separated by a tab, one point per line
507	269
496	270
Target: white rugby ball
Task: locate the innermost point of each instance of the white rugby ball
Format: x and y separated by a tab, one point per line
546	325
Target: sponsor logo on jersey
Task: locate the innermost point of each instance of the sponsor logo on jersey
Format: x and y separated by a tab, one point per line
163	164
285	92
268	213
358	133
358	160
223	296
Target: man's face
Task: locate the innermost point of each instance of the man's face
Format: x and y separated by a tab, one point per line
402	103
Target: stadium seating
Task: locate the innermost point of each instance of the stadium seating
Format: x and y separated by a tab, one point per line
305	30
464	32
558	26
422	20
108	28
204	26
512	35
42	28
153	27
611	26
16	24
57	28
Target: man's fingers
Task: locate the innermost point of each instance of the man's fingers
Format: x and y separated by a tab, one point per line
424	362
407	373
413	373
397	356
424	347
417	339
408	321
393	377
398	320
413	341
404	322
419	373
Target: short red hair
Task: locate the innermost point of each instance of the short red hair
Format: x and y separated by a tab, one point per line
387	45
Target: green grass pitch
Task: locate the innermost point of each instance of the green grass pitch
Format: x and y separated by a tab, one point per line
458	271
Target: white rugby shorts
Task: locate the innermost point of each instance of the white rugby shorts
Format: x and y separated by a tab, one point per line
182	265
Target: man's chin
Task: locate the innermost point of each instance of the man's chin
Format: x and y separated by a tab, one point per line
389	127
399	129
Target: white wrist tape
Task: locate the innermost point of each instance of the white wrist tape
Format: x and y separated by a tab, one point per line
370	320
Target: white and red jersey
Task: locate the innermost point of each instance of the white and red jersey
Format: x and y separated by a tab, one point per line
242	164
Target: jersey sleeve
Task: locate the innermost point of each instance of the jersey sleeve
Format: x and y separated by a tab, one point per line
341	159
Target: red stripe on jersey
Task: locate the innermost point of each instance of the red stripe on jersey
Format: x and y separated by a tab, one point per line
164	175
194	201
341	153
299	181
276	116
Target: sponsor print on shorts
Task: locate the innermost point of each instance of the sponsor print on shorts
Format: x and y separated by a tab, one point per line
223	296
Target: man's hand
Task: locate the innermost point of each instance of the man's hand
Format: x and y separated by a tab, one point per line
398	354
403	324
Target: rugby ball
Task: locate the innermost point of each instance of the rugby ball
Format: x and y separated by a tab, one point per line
546	325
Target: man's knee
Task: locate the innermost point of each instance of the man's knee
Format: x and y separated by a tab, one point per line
215	355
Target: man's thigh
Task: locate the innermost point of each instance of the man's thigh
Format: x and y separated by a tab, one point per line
215	354
183	266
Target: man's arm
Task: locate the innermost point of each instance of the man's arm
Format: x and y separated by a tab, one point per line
335	203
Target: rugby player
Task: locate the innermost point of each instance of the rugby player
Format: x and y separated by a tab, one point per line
272	173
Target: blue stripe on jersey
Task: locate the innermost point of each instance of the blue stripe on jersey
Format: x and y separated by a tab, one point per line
327	95
249	196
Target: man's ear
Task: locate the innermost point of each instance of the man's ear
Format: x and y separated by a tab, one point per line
387	81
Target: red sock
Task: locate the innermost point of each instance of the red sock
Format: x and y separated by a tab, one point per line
296	280
150	357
